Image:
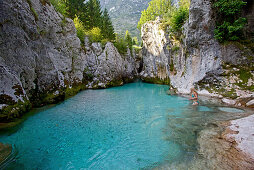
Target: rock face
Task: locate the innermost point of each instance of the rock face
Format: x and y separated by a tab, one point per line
108	67
156	58
197	59
42	60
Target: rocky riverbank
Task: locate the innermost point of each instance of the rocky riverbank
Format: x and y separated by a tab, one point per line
42	60
229	145
225	71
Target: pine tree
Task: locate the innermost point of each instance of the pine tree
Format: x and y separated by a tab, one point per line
74	7
128	39
94	14
107	27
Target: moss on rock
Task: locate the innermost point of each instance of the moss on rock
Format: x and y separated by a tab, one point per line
115	82
156	80
11	112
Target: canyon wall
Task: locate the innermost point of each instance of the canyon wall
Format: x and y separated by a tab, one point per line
197	59
43	61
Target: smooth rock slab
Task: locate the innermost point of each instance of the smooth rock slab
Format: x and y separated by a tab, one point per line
250	103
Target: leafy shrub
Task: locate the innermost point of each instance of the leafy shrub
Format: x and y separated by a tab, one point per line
228	31
229	24
229	7
104	42
178	18
94	34
60	6
80	29
121	45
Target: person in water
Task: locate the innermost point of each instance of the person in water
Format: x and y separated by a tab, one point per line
194	96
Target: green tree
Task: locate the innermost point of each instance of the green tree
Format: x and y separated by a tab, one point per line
107	27
74	7
154	9
94	14
60	6
229	24
128	39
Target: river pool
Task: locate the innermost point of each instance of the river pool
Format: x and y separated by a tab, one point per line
134	126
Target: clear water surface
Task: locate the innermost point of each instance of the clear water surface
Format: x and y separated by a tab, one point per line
134	126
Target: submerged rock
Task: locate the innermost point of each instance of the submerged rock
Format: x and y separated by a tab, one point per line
229	146
5	151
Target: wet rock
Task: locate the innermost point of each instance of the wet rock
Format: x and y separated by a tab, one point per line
5	151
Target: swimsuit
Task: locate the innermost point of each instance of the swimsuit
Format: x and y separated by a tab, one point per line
195	101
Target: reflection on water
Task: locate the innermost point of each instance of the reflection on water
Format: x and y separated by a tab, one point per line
130	127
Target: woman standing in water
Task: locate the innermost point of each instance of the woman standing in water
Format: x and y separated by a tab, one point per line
194	96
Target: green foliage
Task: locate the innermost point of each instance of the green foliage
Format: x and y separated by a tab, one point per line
155	8
135	41
95	34
80	29
88	18
172	16
178	18
175	48
60	6
229	26
14	111
121	44
107	27
229	7
228	31
128	39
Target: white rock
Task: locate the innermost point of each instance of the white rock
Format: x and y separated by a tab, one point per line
228	101
2	105
245	135
250	103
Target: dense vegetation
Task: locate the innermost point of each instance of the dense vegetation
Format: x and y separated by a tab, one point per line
88	18
173	15
229	26
91	21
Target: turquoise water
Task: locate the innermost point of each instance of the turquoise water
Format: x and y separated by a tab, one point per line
129	127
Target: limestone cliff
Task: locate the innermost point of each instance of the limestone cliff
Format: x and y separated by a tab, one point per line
197	59
155	53
43	61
